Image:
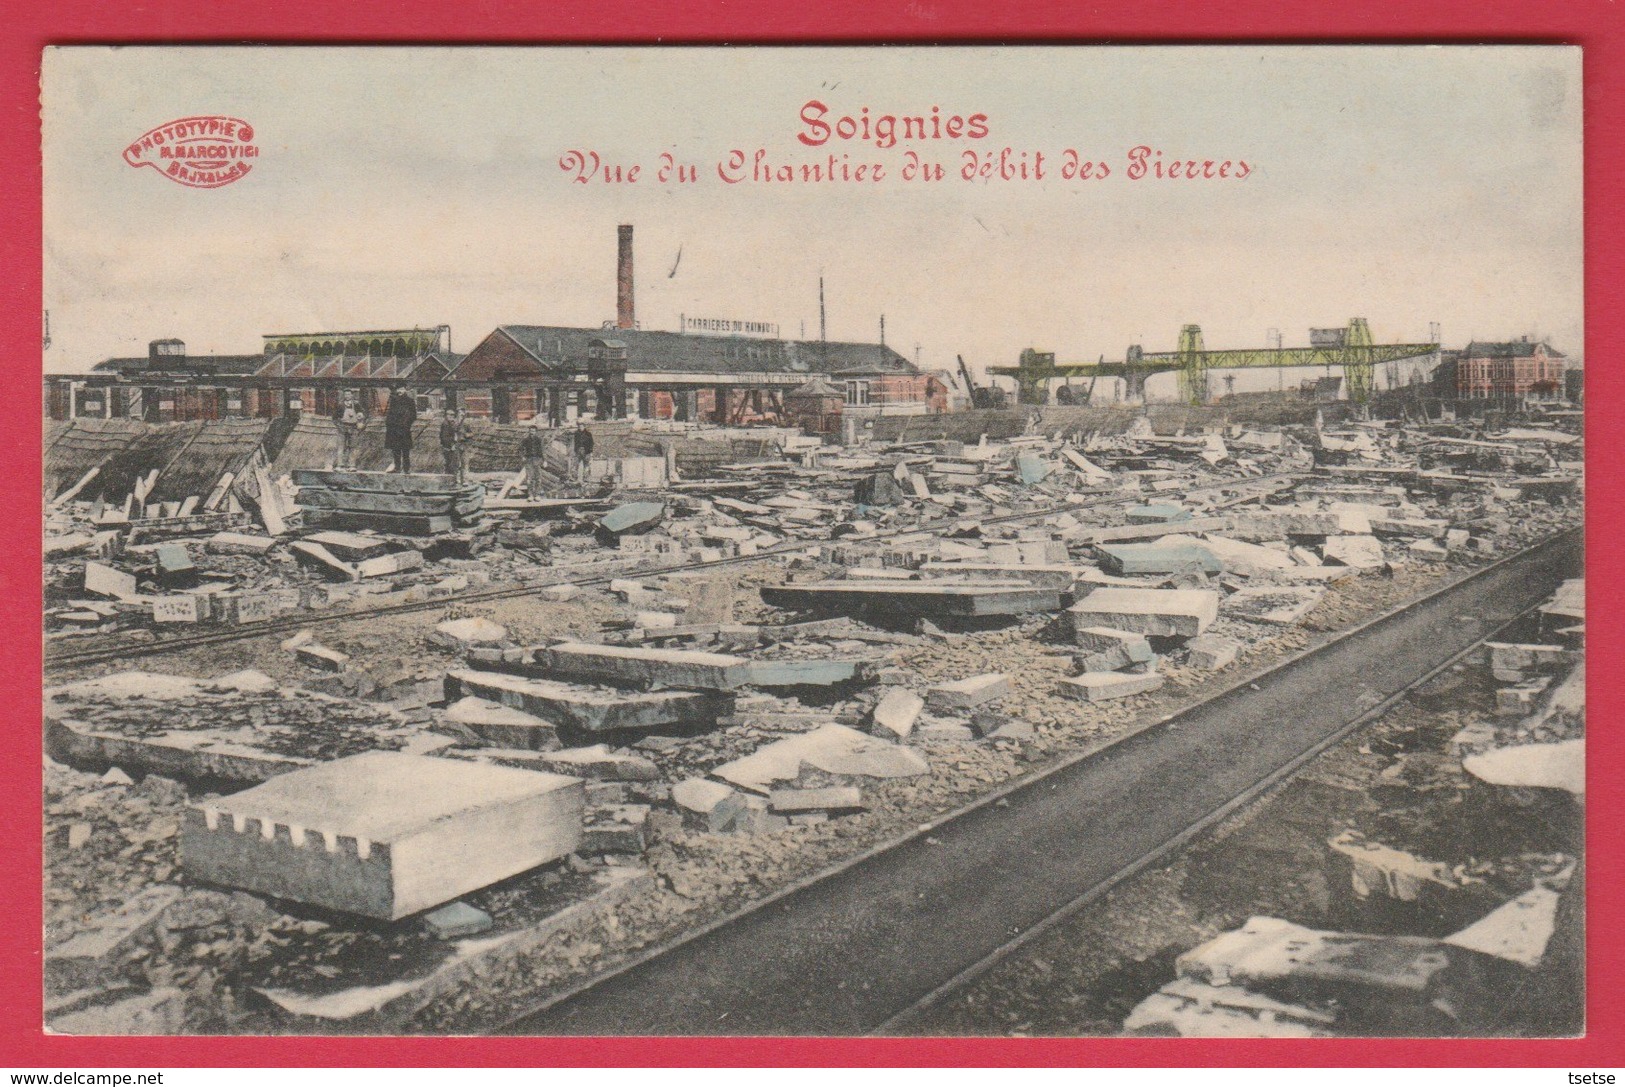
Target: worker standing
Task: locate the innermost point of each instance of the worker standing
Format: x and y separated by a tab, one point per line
351	420
533	449
581	453
398	419
454	435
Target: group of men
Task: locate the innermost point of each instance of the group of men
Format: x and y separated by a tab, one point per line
401	416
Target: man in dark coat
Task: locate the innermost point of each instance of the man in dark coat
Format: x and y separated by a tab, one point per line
454	435
581	447
398	420
533	450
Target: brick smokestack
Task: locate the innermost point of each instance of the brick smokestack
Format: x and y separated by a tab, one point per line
625	315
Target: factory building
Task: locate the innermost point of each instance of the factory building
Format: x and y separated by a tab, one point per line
726	372
520	371
292	372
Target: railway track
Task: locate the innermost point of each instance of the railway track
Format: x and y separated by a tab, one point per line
868	947
56	659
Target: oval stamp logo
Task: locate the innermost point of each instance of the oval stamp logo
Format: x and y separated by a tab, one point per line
203	152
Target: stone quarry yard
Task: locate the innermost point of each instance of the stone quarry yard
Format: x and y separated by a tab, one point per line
234	943
134	941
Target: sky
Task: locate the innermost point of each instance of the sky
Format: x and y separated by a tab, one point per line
408	187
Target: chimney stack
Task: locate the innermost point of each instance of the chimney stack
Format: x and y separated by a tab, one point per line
625	316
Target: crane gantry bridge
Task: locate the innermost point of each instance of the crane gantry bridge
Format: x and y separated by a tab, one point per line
1351	348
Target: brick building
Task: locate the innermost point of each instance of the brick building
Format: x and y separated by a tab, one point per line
1516	370
554	370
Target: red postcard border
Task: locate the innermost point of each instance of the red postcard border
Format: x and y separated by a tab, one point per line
1594	24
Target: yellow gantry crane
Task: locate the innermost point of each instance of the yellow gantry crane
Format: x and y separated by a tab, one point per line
1351	348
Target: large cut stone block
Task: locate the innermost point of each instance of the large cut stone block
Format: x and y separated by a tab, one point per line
1182	613
383	834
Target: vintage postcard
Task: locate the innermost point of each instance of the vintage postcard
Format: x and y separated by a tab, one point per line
1019	541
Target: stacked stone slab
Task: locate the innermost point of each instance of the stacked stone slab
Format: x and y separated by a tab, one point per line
590	709
414	505
638	667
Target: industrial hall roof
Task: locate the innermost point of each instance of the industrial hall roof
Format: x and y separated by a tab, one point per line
229	365
280	365
553	346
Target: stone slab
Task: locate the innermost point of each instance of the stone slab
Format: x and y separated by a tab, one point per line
835	798
463	633
834	749
186	755
803	673
456	920
589	709
349	546
632	518
1211	652
1153	530
1156	514
1103	686
1283	605
104	580
964	694
1157	558
1107	639
320	656
930	599
597	762
1278	525
897	711
502	725
1182	613
180	608
636	666
1360	552
398	562
707	806
319	557
1238	556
